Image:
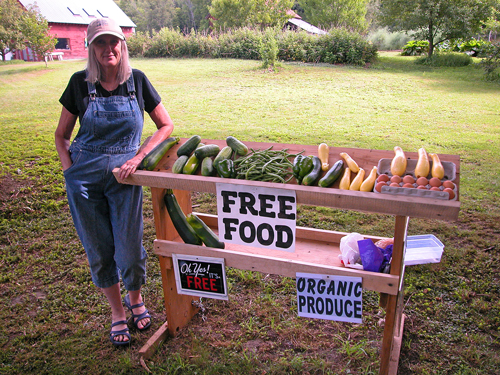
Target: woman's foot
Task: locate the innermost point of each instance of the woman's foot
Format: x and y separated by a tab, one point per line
119	334
140	315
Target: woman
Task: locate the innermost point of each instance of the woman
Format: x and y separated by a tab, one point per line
109	99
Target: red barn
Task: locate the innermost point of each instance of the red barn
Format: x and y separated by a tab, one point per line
68	21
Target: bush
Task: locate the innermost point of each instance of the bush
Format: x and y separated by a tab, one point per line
491	64
383	39
270	45
416	48
449	59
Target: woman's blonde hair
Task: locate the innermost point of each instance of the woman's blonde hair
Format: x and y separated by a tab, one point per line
94	69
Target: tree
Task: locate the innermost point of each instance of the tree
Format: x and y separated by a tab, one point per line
192	14
241	13
11	36
150	15
35	29
435	20
336	13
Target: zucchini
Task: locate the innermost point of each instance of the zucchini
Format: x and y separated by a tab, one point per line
191	165
224	153
238	147
207	166
332	175
203	231
189	146
186	231
311	178
179	164
152	159
207	150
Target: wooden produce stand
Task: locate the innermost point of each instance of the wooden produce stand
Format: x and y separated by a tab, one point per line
316	250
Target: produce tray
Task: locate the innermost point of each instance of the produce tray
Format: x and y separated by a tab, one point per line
450	169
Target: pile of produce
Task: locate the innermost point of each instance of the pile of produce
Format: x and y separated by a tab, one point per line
236	160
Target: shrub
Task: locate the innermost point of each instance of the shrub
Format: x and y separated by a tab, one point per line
268	50
270	45
491	64
383	39
449	59
138	44
415	48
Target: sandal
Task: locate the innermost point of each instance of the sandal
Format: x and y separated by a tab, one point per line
122	332
137	317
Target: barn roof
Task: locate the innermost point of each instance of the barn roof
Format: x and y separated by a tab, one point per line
80	12
306	26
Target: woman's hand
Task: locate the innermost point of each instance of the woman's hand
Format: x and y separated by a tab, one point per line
129	167
165	127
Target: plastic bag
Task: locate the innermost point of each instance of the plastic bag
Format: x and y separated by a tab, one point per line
349	251
374	258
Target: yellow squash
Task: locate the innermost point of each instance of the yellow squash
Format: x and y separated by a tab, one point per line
398	164
324	154
423	167
369	182
358	180
437	169
353	166
345	181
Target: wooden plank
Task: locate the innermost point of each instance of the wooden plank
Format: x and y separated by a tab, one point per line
178	308
279	266
393	313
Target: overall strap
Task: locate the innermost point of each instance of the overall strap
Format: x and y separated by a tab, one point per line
131	86
92	90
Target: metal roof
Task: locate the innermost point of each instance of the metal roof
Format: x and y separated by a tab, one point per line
80	12
306	26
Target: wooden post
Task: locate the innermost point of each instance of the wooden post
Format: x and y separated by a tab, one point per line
179	308
393	317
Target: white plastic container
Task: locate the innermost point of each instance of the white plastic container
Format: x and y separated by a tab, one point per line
423	249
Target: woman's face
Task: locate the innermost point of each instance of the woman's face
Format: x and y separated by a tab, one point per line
108	50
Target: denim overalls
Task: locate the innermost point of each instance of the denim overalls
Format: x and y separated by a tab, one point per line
107	214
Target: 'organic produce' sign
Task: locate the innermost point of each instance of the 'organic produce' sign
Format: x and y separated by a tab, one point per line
200	276
257	216
330	297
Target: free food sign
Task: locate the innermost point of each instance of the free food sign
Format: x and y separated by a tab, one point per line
257	216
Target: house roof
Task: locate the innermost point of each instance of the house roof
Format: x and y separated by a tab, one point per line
80	12
306	26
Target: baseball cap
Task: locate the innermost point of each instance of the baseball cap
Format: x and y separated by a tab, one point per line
103	26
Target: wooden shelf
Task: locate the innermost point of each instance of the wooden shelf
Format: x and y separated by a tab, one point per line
428	208
316	251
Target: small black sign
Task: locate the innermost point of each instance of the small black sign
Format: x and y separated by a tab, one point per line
200	276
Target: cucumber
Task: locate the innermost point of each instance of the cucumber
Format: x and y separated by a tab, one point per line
207	167
203	231
152	159
224	153
207	150
191	165
179	164
186	231
332	174
189	146
238	147
311	178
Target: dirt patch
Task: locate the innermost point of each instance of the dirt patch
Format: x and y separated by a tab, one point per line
11	187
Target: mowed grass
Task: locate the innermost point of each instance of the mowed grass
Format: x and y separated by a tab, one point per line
54	321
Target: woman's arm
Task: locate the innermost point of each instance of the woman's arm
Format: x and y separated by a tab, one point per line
63	132
165	126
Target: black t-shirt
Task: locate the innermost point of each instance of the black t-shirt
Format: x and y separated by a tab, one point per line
76	96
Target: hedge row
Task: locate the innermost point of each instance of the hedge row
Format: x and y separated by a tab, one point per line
336	47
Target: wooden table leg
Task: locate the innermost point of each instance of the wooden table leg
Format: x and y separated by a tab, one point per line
393	303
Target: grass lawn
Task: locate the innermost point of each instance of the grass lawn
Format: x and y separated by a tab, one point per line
54	321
